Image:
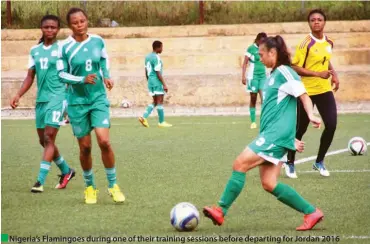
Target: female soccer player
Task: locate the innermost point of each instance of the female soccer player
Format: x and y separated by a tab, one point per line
156	85
312	63
256	75
50	101
277	132
84	66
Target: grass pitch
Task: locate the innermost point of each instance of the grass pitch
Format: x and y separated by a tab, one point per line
157	168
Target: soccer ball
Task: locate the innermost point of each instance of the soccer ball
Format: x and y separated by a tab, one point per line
357	146
125	104
184	217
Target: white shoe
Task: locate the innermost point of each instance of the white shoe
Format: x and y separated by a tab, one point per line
321	168
290	171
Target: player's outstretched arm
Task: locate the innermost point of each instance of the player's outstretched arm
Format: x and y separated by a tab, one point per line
26	85
308	107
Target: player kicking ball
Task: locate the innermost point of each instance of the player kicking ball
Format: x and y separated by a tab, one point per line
277	136
156	85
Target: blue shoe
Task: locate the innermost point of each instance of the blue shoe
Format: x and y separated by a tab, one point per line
290	171
321	168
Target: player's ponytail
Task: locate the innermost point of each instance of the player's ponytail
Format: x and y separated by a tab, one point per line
48	17
278	43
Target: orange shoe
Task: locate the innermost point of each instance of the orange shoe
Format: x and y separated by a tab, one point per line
215	214
310	220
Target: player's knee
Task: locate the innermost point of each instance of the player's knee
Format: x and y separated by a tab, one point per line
331	127
239	165
48	138
104	144
253	99
85	150
268	185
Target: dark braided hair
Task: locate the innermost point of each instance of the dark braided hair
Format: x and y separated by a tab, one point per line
156	44
260	36
73	11
316	11
48	17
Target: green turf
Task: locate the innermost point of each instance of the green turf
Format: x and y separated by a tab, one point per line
191	161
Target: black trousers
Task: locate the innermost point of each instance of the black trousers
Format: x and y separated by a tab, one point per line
327	108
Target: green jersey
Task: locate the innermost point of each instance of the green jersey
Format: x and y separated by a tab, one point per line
256	67
79	59
43	60
153	63
279	108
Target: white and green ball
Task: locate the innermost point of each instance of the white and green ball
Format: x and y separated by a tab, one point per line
357	146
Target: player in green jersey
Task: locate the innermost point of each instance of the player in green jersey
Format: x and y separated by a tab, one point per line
156	85
276	137
83	65
50	101
256	75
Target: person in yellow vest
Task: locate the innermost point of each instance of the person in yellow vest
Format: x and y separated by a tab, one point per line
312	63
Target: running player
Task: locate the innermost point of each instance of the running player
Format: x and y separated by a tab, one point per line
256	75
84	65
50	101
312	63
277	132
156	85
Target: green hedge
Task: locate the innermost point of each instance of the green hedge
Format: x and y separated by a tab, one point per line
28	14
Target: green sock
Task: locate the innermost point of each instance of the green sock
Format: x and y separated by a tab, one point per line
62	165
44	170
111	176
89	178
160	112
252	112
232	190
290	197
148	111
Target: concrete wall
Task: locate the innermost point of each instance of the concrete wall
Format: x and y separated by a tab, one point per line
202	64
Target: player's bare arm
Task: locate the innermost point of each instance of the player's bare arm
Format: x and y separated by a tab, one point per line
26	85
244	68
308	107
160	77
334	77
108	83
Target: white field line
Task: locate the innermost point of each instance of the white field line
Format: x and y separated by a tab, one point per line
304	160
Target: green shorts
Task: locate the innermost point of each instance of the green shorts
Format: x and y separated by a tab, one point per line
50	113
85	117
256	84
156	90
268	150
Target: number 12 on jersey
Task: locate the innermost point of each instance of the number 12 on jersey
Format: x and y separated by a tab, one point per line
44	63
